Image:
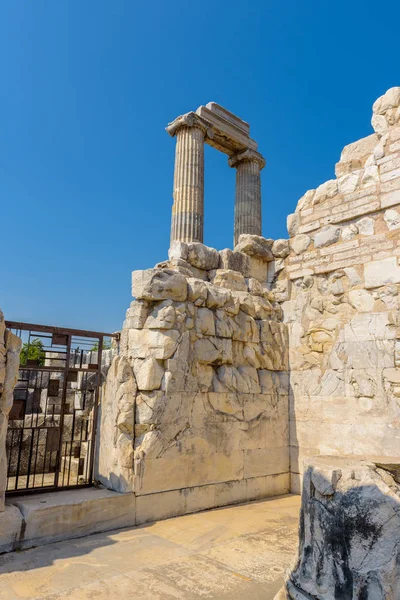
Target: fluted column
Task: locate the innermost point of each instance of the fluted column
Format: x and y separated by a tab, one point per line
187	222
248	192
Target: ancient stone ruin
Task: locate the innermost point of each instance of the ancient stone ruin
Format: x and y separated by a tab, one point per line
239	370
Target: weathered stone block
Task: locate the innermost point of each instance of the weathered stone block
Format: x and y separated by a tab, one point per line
202	257
160	344
350	530
148	373
255	245
381	272
231	280
159	284
10	528
280	248
328	235
72	514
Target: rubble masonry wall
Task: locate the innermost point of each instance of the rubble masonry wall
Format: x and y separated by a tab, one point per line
341	283
203	367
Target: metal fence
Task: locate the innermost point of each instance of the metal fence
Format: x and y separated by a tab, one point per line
52	422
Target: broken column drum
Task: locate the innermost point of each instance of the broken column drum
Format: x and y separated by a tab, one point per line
216	126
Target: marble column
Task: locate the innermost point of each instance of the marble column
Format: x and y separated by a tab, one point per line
248	166
187	223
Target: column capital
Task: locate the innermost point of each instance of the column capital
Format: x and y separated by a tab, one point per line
190	119
248	155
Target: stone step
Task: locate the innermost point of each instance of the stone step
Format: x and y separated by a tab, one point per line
51	517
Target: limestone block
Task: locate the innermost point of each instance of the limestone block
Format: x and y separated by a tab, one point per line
366	226
293	223
149	373
224	325
348	183
48	517
390	199
243	380
115	429
159	284
280	248
10	529
234	261
379	150
370	175
356	153
353	276
232	280
305	201
145	405
160	344
381	272
365	354
179	377
205	322
212	350
266	461
162	505
162	316
197	291
256	246
392	219
204	376
183	267
300	243
246	303
258	268
379	124
326	236
350	232
255	287
390	100
263	308
12	350
389	296
178	250
181	471
350	531
369	326
202	257
136	315
217	297
246	329
329	189
362	300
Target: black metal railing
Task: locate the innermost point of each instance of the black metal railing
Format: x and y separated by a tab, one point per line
52	422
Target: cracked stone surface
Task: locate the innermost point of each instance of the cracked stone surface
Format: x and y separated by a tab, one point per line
349	546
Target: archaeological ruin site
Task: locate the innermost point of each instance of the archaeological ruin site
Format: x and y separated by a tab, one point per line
238	375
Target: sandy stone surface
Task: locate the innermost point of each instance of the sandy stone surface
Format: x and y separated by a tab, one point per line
235	552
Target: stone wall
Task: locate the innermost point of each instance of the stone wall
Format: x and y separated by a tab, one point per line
340	296
208	351
10	346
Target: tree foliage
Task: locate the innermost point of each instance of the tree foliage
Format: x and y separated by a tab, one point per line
106	346
32	351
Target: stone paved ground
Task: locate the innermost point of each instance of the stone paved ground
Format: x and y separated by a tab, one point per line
235	552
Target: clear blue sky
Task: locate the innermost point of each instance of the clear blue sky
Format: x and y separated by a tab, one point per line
86	167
